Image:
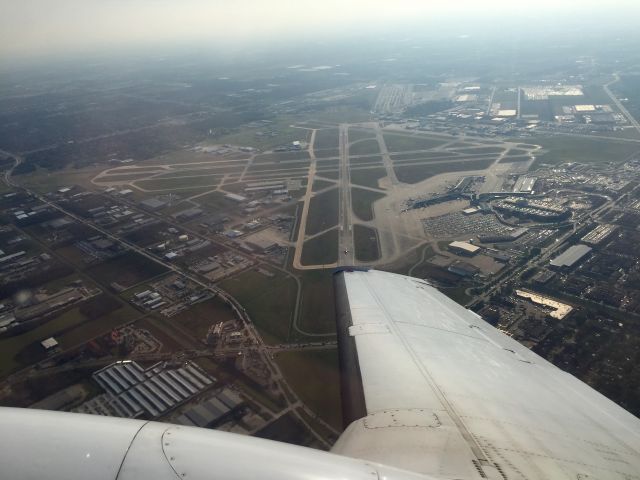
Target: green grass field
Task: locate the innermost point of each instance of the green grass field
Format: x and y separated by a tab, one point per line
70	328
323	212
315	377
281	156
366	243
216	201
327	153
368	177
248	136
322	249
418	173
198	318
358	134
269	301
321	185
374	160
317	312
362	202
399	143
364	147
332	174
126	270
423	156
326	138
565	148
481	150
182	183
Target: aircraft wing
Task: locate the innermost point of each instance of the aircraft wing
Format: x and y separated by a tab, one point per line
42	445
428	386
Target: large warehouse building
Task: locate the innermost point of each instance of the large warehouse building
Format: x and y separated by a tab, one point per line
570	257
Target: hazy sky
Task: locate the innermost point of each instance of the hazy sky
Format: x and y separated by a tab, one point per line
41	27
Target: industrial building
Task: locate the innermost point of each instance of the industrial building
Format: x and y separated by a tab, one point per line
153	204
570	257
599	234
463	269
507	236
188	214
235	197
133	392
49	343
212	412
464	248
525	184
534	209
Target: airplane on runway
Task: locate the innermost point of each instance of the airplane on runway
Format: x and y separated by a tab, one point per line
429	390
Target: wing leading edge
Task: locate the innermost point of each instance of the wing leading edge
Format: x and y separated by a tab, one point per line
437	390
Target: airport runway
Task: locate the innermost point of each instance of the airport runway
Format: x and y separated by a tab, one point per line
345	224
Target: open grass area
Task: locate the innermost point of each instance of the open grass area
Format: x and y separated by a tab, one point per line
181	183
327	153
368	177
566	148
366	243
374	160
481	150
70	328
362	202
323	211
364	147
125	270
315	377
190	172
426	156
326	138
287	429
322	249
332	174
269	301
328	163
282	166
399	143
317	312
281	156
418	173
321	185
124	178
200	317
284	134
514	158
356	134
216	202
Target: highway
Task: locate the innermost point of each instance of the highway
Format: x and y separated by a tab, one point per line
619	104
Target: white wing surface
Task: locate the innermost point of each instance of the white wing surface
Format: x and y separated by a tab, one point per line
430	387
41	445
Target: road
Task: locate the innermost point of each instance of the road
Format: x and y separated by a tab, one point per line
346	255
619	104
386	159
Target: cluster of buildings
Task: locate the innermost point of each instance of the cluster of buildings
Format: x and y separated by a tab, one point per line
170	296
38	308
533	209
132	391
